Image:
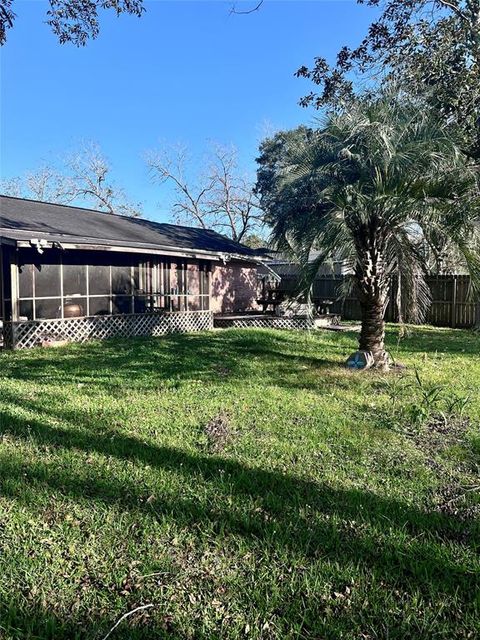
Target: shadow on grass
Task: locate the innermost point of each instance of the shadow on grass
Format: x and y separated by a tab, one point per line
404	547
428	339
150	362
413	562
281	495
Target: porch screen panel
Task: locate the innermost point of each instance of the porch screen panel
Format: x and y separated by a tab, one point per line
122	279
61	284
182	287
6	257
204	284
99	306
46	308
141	286
166	283
74	280
122	289
40	286
191	290
99	280
47	281
25	309
25	281
122	304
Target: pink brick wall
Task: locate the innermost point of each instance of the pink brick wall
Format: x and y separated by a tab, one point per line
234	287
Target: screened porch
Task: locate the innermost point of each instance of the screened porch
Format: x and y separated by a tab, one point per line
66	295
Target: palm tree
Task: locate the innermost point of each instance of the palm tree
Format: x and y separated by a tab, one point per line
383	182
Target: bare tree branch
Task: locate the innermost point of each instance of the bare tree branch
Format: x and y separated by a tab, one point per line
455	8
233	10
82	178
218	197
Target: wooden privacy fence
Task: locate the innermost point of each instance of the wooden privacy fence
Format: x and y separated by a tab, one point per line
451	304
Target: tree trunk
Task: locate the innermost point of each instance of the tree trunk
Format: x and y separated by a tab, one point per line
373	285
372	335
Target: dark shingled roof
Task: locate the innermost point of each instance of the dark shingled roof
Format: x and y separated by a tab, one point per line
22	219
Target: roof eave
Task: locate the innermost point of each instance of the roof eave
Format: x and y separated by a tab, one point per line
181	252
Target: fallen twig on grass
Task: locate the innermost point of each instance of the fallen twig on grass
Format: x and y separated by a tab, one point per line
152	575
126	615
462	495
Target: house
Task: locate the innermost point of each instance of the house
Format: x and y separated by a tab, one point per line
69	273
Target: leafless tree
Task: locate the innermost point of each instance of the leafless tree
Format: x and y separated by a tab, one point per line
91	182
219	197
82	177
45	183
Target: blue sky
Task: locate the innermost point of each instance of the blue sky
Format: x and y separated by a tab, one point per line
185	72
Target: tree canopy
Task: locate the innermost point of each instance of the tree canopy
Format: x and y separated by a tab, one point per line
433	46
73	21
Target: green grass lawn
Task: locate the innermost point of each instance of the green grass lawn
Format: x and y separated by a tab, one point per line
327	504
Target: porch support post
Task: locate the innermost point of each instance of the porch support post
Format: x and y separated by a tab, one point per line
14	285
454	303
2	286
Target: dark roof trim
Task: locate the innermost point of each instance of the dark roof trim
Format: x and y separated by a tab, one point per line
23	239
23	220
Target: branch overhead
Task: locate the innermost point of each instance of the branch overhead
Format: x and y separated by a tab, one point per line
245	12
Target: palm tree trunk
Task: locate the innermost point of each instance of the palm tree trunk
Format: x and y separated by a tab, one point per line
372	287
372	335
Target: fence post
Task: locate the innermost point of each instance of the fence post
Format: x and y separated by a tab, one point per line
454	303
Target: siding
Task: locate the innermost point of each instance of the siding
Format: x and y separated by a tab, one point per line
234	287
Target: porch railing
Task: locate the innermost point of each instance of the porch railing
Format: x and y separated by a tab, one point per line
301	323
32	333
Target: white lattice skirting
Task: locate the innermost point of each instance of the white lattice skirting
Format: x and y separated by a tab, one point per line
22	335
266	322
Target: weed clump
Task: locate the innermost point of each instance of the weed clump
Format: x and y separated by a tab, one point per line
219	432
